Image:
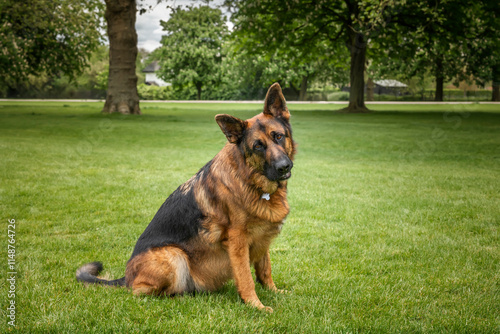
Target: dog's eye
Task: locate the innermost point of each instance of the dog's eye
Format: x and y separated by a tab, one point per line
258	146
278	136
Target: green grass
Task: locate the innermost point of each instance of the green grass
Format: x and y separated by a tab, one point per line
394	224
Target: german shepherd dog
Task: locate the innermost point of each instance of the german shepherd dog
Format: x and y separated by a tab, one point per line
223	219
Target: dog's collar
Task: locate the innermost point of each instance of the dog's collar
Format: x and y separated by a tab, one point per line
266	196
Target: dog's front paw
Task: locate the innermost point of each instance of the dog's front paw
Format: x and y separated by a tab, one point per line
268	309
257	304
275	289
281	291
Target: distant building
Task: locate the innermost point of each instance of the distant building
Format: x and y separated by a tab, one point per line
389	87
151	77
392	87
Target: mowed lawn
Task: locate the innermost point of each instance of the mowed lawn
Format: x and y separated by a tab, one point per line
394	223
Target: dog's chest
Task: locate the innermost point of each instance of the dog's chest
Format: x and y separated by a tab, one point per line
260	230
275	209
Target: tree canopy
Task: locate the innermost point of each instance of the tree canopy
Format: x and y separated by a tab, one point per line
192	50
445	38
335	29
47	37
294	42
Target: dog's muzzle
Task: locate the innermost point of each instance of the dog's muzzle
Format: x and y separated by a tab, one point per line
281	169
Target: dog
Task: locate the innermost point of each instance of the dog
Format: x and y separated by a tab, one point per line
223	219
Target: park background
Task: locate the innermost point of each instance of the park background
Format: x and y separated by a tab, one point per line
395	208
233	50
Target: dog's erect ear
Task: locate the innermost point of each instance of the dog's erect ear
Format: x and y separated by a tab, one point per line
275	104
231	126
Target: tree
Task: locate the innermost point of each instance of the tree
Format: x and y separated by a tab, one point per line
299	24
122	93
47	37
495	74
293	67
483	56
191	51
453	39
411	47
442	42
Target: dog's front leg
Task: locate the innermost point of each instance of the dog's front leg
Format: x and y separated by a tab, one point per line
239	255
263	272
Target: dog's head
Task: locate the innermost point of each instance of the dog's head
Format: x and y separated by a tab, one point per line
266	139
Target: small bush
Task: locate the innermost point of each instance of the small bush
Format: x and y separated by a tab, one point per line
147	92
338	96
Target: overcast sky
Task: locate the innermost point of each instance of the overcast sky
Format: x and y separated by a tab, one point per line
148	27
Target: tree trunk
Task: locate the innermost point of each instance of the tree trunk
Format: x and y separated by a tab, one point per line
495	96
122	93
357	47
370	87
303	89
439	79
198	90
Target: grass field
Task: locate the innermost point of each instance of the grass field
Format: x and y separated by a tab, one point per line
394	224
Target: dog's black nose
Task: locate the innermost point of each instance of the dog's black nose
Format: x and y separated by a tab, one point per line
284	166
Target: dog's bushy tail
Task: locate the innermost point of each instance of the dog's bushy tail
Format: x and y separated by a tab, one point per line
88	274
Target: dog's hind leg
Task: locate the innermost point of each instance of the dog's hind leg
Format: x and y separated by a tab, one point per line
160	271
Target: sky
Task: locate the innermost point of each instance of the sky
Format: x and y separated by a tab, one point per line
147	25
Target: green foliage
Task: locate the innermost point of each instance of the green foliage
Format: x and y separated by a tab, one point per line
91	83
147	92
338	96
47	37
483	58
191	51
393	225
298	41
50	48
461	95
452	39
